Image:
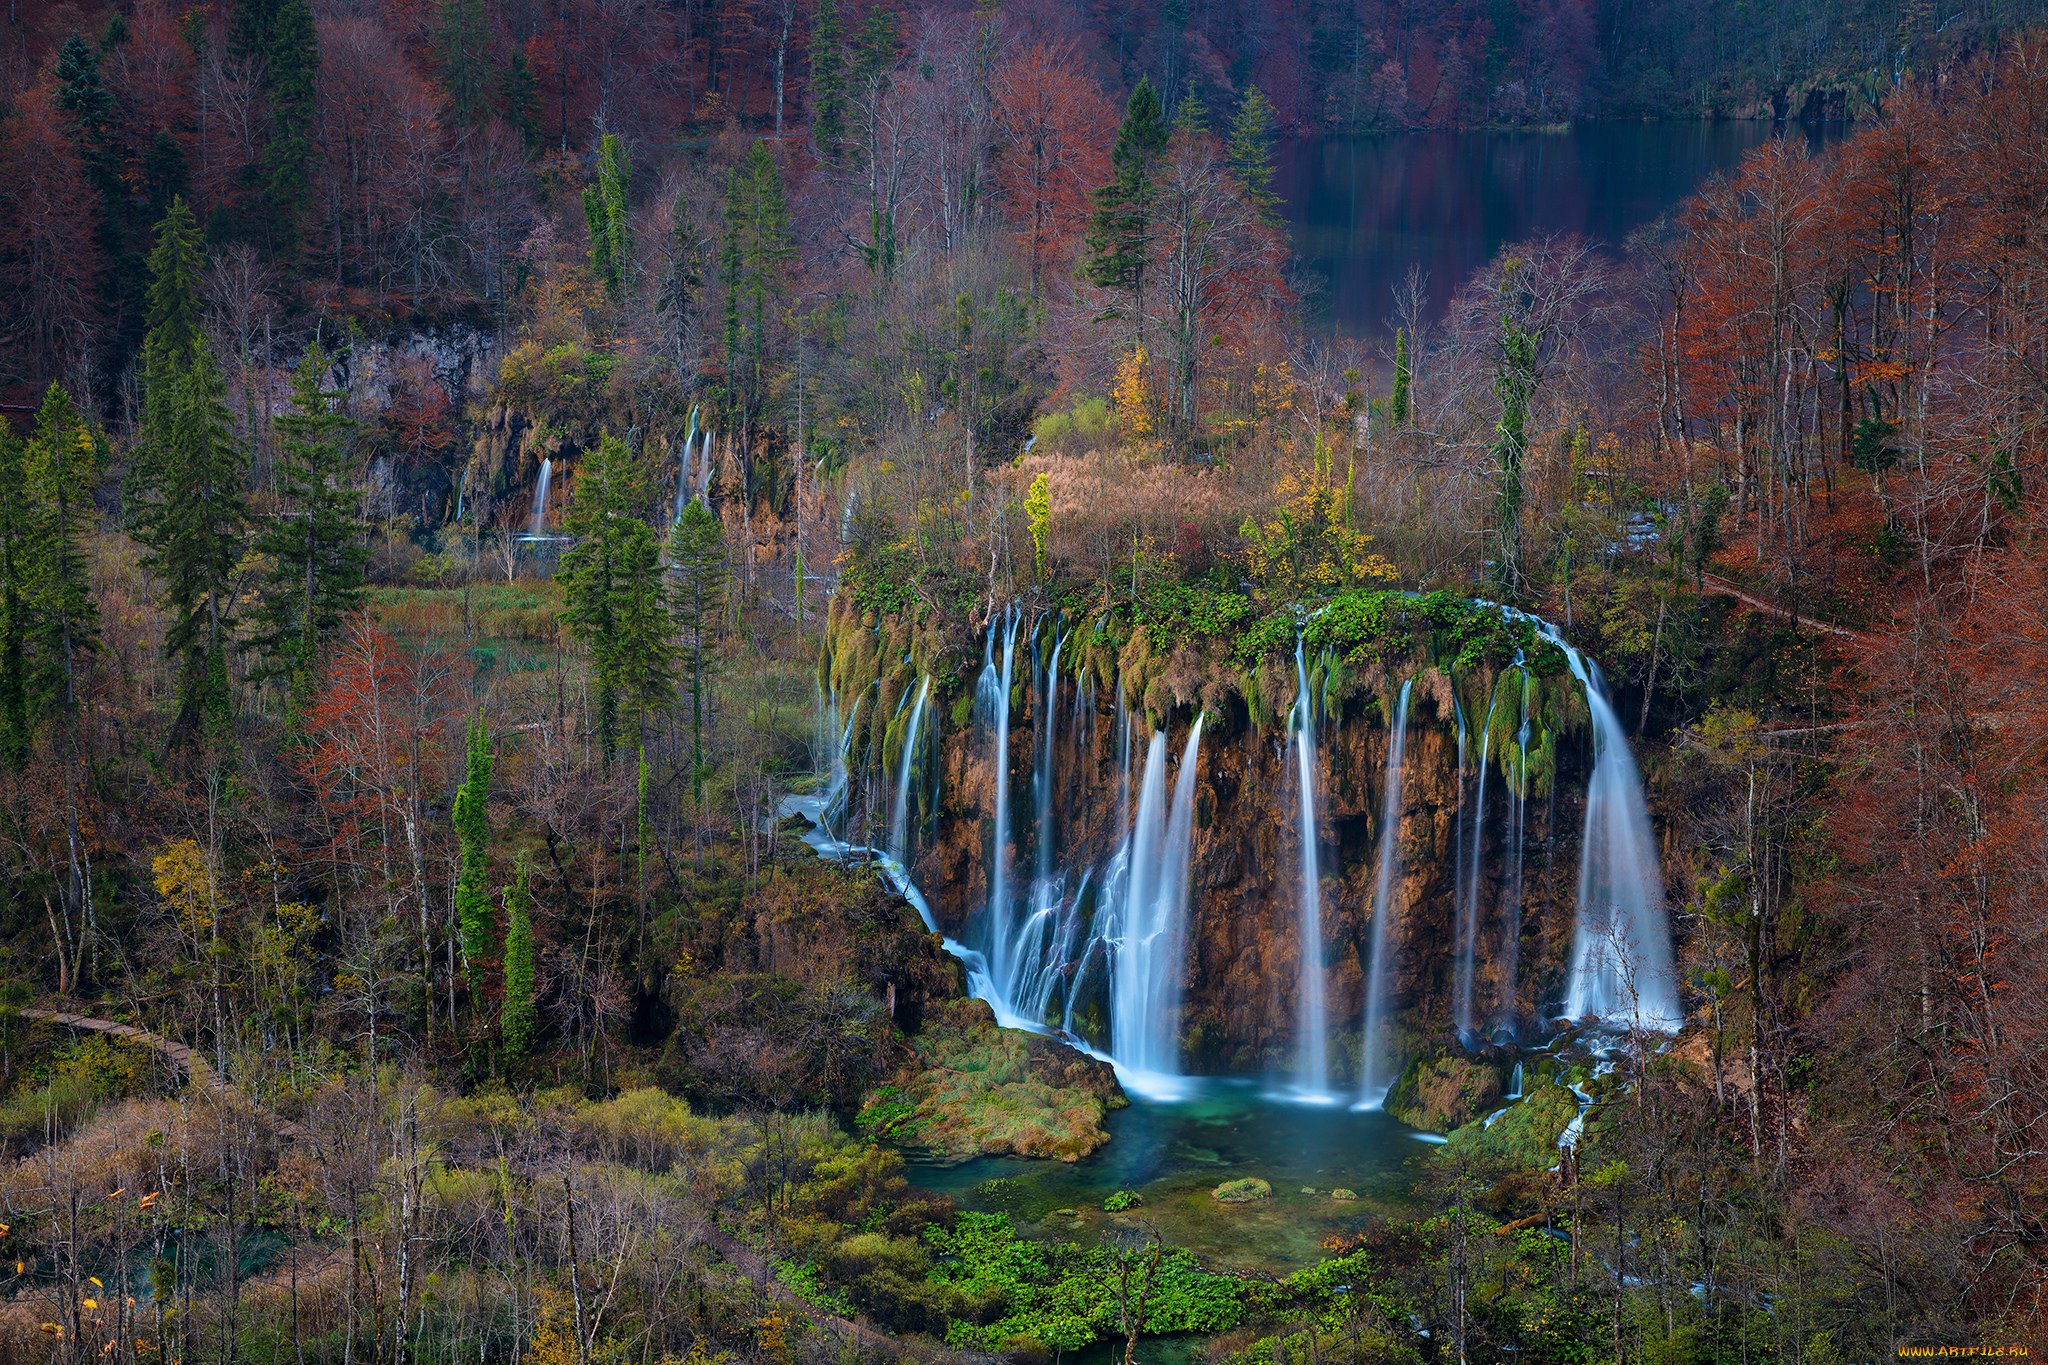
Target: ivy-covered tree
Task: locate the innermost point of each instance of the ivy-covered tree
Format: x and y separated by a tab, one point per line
607	206
520	1022
1514	381
316	546
473	834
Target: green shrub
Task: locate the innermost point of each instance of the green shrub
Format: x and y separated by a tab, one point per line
1122	1200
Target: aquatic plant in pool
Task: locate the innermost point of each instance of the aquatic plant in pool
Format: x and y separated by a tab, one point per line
1063	1296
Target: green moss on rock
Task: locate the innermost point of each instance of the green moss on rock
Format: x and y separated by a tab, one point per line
975	1089
1241	1191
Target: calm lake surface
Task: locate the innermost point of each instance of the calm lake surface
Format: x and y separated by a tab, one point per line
1363	209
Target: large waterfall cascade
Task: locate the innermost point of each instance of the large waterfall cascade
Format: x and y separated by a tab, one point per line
1084	928
538	520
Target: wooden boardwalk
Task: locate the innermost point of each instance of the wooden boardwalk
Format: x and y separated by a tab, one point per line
198	1071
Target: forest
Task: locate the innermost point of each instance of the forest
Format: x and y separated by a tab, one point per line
491	496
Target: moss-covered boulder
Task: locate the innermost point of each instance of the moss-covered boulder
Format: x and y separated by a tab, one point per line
1525	1137
1241	1191
1440	1093
976	1089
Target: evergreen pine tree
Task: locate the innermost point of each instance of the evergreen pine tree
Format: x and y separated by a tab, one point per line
460	39
58	472
1250	153
189	478
520	93
14	724
828	82
473	832
163	172
613	593
757	249
83	94
291	59
316	545
606	206
521	1020
697	552
1120	228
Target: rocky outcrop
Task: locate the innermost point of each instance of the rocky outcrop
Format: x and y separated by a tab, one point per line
974	1089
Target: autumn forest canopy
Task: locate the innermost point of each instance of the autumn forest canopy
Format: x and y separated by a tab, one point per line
752	682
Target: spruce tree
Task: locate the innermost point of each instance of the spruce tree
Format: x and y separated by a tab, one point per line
14	723
291	60
316	543
1250	153
461	36
58	473
828	83
1120	228
756	252
697	552
606	208
614	601
473	833
519	92
83	94
189	476
521	1020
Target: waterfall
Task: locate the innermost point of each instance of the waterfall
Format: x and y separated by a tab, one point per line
899	828
1041	956
683	466
1468	879
1621	947
1511	889
461	490
992	703
1313	1070
1152	924
1373	1082
540	499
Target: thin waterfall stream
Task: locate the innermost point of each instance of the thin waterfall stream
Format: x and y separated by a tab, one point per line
1313	1070
1372	1066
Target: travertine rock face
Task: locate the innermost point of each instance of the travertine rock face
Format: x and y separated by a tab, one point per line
1243	965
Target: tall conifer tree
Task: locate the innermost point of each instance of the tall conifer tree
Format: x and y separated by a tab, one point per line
316	546
1120	229
190	476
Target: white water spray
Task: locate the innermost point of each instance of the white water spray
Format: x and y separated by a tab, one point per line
1373	1080
1313	1068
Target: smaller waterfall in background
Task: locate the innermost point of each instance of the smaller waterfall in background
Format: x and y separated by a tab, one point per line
683	466
461	491
1151	928
1313	1070
539	519
1373	1082
707	465
906	770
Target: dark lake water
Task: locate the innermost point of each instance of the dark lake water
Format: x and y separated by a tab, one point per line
1363	209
